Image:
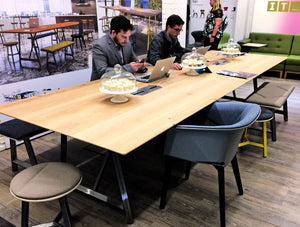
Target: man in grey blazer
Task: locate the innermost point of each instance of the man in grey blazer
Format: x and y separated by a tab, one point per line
115	48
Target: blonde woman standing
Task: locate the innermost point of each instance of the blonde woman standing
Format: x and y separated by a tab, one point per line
213	30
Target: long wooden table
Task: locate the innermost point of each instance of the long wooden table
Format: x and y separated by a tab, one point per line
84	113
141	12
33	32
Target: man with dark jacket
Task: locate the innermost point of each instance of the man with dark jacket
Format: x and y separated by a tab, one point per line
166	44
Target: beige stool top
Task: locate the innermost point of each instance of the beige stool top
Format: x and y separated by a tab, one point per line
272	95
45	181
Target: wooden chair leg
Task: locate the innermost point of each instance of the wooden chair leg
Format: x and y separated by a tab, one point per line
25	214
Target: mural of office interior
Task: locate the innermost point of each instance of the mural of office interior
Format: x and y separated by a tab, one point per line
145	4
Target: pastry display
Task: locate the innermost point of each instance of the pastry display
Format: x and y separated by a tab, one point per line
193	60
118	85
231	48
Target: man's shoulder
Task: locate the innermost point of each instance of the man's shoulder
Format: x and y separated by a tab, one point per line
160	37
104	40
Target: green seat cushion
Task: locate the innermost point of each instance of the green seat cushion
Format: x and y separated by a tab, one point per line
293	59
10	43
57	46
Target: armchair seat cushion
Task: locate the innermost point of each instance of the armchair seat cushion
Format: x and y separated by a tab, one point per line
293	60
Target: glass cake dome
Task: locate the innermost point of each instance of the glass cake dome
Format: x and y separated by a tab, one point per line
118	82
193	60
231	48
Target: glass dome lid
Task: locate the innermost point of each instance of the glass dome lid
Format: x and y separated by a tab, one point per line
118	81
193	60
231	47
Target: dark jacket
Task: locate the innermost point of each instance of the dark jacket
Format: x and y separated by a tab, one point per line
162	47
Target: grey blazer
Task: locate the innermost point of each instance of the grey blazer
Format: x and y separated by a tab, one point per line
106	56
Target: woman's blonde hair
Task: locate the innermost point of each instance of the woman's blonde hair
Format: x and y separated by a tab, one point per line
216	5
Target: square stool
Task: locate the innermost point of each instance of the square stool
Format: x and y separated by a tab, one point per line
20	130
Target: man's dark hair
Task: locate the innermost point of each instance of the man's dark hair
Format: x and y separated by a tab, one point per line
174	20
119	23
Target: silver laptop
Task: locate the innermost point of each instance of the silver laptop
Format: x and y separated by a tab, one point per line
202	50
159	71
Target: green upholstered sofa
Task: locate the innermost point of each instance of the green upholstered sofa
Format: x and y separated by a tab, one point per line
292	64
277	44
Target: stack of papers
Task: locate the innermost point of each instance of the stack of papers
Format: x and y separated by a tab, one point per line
243	75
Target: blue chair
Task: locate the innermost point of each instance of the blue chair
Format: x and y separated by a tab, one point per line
214	143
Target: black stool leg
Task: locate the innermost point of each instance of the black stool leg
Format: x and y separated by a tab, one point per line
25	213
13	154
65	211
221	194
236	172
30	152
285	111
273	128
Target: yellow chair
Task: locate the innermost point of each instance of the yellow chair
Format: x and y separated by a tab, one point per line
265	116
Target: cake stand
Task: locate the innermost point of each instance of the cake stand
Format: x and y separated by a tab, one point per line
192	71
230	55
118	96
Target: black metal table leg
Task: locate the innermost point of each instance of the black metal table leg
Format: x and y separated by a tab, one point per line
122	187
63	148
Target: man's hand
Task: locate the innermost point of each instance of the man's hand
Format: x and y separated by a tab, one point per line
176	66
137	66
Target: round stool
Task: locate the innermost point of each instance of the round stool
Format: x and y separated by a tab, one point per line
22	24
46	182
15	25
265	116
10	51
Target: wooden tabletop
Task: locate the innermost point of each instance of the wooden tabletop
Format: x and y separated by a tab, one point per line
84	113
41	28
135	11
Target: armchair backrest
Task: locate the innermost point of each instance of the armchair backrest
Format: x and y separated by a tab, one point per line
296	45
224	39
214	144
276	43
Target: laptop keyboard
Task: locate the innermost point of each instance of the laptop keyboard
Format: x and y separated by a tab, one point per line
145	75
